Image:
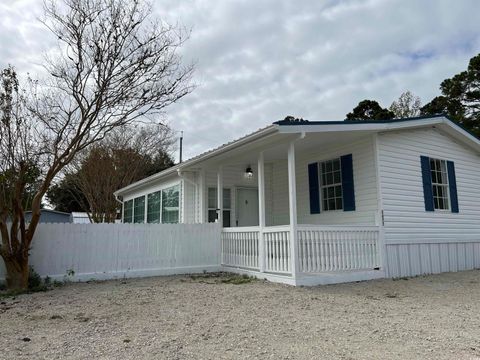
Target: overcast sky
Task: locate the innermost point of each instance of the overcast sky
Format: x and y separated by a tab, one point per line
259	60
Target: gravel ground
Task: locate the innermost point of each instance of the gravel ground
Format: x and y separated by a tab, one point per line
180	317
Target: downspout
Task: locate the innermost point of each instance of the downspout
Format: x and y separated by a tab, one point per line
120	202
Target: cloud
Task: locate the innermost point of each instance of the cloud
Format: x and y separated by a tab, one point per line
258	61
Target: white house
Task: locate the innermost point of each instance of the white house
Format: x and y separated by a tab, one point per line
306	202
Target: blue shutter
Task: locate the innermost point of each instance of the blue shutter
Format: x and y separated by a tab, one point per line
452	184
347	183
314	187
427	183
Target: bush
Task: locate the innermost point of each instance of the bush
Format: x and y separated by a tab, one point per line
34	279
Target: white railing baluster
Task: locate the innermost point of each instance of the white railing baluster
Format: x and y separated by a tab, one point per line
320	248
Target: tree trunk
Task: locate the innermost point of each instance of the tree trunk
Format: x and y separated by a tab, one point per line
17	272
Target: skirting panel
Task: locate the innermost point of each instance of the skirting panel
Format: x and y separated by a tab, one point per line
432	258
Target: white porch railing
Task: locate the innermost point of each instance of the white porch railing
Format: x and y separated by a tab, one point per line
240	247
337	248
277	249
320	248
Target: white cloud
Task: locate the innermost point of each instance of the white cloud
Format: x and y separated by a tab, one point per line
258	61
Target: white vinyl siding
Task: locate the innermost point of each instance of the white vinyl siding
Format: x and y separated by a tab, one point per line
364	178
419	241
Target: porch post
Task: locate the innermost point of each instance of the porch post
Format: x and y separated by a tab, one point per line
292	201
220	196
201	196
261	211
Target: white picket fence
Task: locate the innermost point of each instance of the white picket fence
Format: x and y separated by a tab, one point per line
108	251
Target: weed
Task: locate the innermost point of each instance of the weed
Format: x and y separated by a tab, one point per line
238	279
57	283
70	272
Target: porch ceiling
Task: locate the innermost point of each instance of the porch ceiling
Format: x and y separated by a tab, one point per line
276	148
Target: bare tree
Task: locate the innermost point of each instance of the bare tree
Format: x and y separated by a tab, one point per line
126	155
407	105
114	64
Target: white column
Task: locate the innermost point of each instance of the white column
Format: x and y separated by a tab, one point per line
261	211
220	195
292	201
201	196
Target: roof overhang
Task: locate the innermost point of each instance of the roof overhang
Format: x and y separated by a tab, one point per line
283	128
174	170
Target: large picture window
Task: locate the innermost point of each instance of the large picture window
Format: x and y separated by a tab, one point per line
331	185
170	205
128	211
438	169
139	209
227	205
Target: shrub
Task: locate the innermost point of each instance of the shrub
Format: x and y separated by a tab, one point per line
34	279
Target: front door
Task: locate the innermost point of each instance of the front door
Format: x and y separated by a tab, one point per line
247	207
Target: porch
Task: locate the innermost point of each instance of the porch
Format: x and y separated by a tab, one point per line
262	197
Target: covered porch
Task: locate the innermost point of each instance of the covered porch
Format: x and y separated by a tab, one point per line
276	225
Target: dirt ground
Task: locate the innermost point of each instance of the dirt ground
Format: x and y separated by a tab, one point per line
180	317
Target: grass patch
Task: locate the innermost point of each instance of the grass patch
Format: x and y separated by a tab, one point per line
222	278
238	279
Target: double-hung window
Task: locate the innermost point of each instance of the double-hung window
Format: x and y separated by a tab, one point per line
438	169
439	184
212	206
331	185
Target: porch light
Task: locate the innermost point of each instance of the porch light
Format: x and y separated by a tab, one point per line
248	172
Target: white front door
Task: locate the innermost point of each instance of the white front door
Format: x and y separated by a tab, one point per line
247	207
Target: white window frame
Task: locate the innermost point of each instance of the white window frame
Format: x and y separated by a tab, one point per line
144	212
215	208
123	215
446	184
164	186
334	185
179	202
160	210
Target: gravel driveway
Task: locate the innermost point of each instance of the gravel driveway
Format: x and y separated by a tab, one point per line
180	317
